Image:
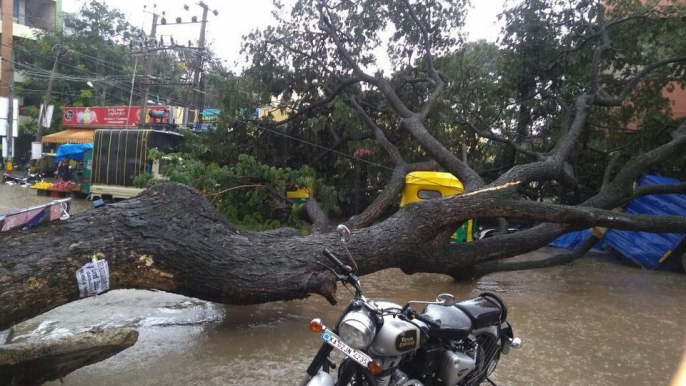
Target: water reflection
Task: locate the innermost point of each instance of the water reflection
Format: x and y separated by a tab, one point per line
594	323
13	197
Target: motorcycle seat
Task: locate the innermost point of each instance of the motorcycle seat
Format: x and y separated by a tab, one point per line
454	323
481	311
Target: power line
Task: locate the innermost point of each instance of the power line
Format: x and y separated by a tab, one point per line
275	132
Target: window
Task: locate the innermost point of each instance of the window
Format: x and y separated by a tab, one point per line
429	194
16	9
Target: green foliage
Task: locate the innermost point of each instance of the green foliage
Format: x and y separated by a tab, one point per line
29	126
250	194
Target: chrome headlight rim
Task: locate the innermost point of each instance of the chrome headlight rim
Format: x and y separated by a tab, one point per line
357	330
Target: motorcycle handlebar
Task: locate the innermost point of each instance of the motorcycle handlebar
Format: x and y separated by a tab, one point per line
335	260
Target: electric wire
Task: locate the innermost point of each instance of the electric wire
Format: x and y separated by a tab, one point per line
262	128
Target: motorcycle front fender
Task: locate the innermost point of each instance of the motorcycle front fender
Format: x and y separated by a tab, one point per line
321	379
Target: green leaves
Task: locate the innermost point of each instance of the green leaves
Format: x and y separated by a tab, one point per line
249	193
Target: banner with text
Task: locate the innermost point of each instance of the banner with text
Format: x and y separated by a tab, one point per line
112	116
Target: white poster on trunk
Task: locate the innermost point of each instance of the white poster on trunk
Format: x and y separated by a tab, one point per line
4	147
47	118
4	110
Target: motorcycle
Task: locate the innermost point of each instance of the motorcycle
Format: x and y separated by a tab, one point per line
25	180
449	343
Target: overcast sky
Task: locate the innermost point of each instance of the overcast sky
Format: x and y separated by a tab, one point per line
237	18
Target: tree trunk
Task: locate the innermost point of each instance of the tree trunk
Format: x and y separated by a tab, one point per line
170	238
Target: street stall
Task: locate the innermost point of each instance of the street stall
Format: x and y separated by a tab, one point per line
73	173
53	141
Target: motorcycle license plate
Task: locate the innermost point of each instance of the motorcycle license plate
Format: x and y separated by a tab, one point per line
336	342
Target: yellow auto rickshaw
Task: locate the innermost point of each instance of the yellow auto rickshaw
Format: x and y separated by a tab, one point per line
428	185
300	195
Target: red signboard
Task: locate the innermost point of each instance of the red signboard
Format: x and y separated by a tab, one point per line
112	116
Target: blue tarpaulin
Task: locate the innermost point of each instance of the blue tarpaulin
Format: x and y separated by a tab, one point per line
73	151
572	240
649	250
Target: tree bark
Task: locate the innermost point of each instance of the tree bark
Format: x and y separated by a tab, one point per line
170	238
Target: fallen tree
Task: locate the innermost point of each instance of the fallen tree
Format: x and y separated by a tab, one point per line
171	238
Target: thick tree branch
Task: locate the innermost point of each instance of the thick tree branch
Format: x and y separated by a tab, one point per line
320	221
153	241
390	148
441	154
600	50
610	167
508	266
386	198
648	190
622	185
604	99
428	56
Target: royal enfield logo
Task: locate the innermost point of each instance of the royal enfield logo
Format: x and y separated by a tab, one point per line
407	340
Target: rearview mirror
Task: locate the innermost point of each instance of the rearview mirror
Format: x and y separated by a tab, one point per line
446	299
343	233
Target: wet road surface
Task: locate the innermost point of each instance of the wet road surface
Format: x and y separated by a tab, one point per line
13	197
593	323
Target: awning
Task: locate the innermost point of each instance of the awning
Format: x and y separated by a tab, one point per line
71	136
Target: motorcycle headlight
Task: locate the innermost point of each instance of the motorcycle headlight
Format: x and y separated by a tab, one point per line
357	330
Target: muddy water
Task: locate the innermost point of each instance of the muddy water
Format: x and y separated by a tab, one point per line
593	323
14	197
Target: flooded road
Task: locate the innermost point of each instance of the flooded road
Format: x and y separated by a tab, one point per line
13	197
593	323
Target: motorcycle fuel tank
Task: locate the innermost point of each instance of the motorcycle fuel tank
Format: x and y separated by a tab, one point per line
396	337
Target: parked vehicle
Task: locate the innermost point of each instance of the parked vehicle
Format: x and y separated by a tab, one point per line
386	344
490	232
421	186
25	180
120	155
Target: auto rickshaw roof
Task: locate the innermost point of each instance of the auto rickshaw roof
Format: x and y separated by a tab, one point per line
432	179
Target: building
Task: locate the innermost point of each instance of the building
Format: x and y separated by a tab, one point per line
32	17
674	92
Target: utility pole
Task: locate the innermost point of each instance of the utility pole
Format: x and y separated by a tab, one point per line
46	99
197	82
148	68
133	82
8	71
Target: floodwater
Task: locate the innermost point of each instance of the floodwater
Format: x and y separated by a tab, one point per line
13	197
592	323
